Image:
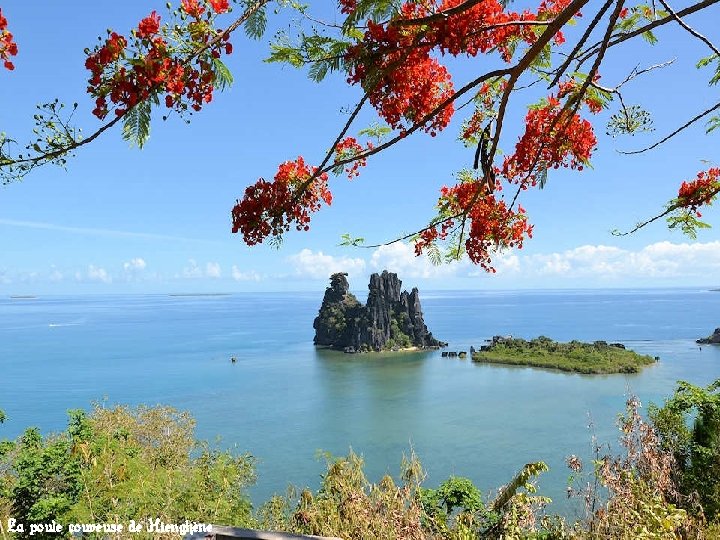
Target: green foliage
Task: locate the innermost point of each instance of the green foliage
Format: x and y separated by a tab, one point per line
347	505
324	54
121	464
455	493
708	61
398	338
629	121
136	124
598	357
689	427
55	135
712	124
46	480
223	76
376	131
686	220
3	416
256	23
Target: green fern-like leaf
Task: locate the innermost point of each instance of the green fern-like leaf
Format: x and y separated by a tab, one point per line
223	76
136	124
713	124
433	253
649	37
255	24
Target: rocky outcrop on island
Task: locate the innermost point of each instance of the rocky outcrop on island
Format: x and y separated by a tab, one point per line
714	339
392	319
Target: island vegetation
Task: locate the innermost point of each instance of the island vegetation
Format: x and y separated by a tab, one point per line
575	356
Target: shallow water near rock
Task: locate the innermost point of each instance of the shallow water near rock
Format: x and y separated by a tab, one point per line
283	399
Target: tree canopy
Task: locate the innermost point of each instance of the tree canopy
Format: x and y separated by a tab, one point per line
548	59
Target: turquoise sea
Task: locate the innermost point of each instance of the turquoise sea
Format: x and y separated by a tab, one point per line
284	400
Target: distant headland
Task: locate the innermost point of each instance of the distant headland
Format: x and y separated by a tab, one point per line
391	320
713	339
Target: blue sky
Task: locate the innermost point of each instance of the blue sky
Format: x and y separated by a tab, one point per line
158	220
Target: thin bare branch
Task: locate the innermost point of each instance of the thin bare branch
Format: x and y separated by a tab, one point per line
669	210
644	223
654	24
689	29
678	130
636	73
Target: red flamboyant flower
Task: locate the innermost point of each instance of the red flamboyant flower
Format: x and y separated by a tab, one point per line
192	8
8	47
271	208
347	148
154	67
491	225
219	6
348	6
553	138
411	84
701	191
149	26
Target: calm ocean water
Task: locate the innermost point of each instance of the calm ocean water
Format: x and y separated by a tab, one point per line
283	400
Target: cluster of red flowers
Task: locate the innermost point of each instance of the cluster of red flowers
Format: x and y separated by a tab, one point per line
348	6
8	47
394	58
553	138
347	148
703	190
195	8
270	208
462	33
492	225
410	84
126	78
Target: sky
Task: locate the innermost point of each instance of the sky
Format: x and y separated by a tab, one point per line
157	220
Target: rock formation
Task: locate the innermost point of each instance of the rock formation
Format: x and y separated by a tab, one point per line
714	339
391	319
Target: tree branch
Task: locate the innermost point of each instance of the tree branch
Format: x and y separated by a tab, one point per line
654	24
690	30
678	130
49	156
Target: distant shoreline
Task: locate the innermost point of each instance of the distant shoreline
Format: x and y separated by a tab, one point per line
201	294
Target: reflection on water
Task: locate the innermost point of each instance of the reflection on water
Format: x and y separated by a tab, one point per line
283	399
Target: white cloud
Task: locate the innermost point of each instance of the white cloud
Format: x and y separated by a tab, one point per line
658	260
239	275
136	264
308	264
192	270
401	259
55	275
93	274
213	270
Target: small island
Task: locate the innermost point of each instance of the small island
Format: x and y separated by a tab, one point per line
578	357
712	339
390	321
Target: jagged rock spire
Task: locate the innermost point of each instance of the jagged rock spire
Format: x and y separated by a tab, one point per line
392	318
